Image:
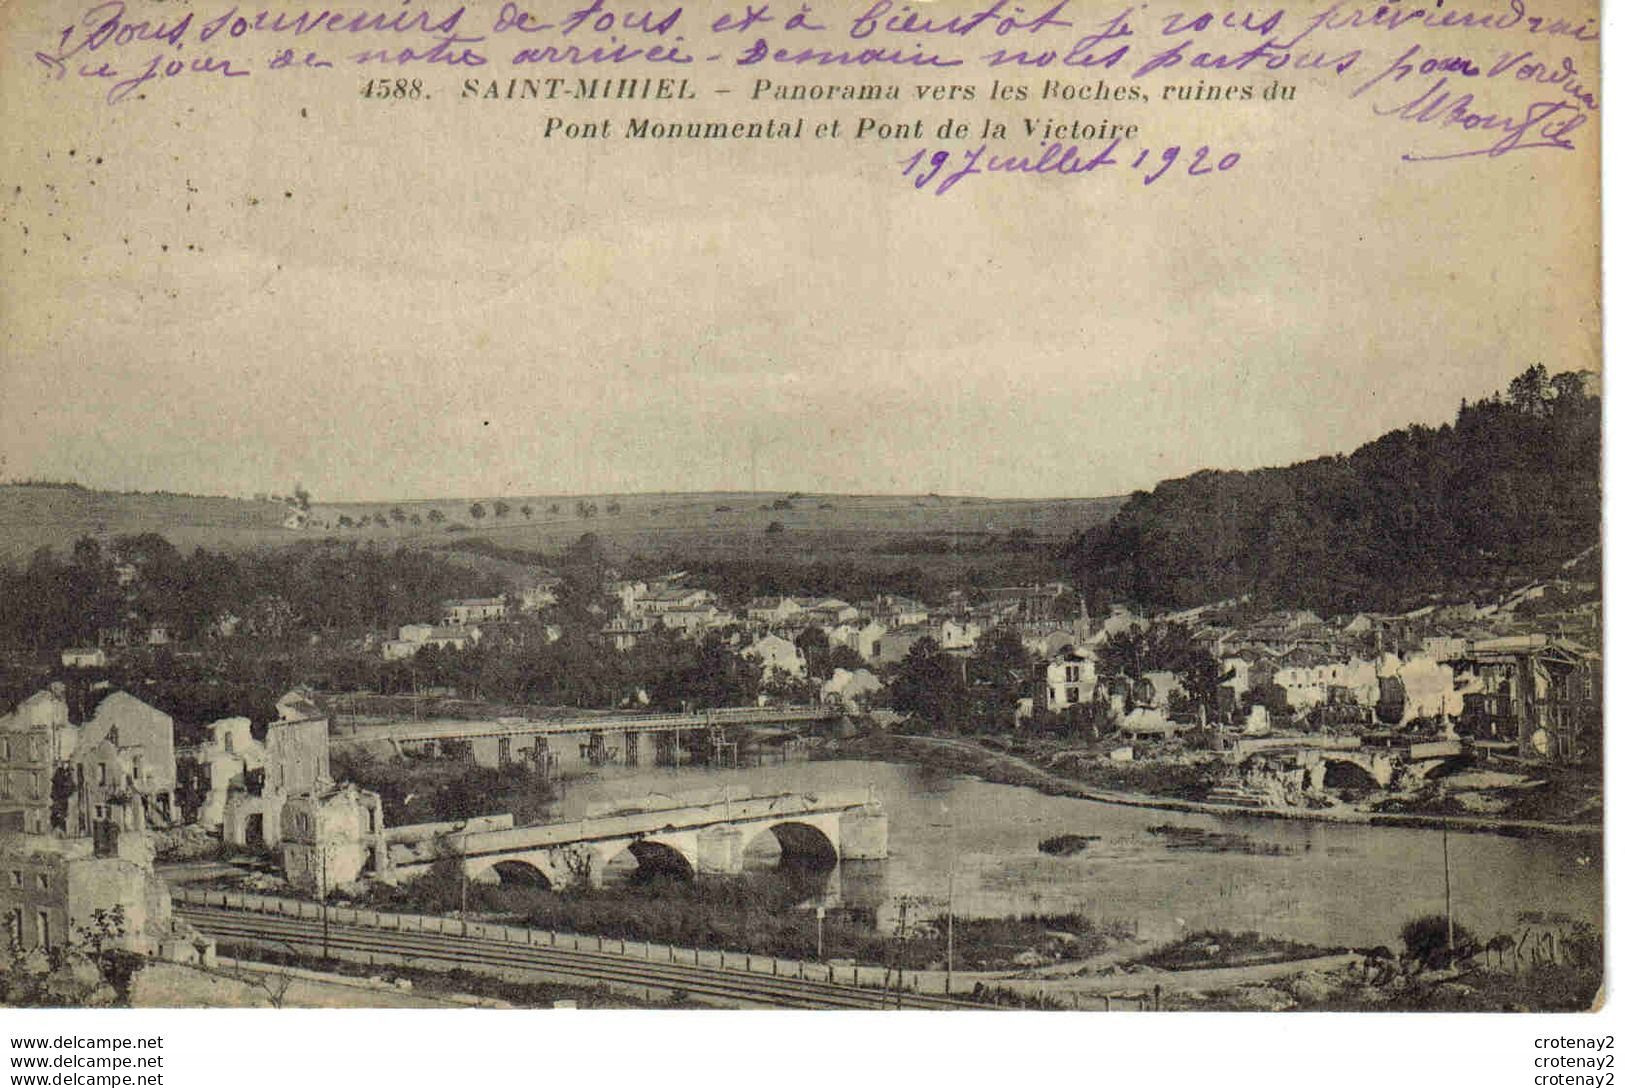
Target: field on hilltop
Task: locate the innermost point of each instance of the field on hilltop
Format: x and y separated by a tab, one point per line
33	517
884	529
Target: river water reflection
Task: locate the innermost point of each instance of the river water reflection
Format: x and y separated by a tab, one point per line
1326	883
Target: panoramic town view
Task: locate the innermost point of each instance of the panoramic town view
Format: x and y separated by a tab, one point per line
1324	736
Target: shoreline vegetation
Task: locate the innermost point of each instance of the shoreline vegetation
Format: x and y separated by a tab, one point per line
1150	785
768	913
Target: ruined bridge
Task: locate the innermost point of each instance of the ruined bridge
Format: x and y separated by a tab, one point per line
603	738
351	730
687	838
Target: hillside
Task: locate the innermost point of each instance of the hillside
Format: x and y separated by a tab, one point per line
1508	492
717	525
41	516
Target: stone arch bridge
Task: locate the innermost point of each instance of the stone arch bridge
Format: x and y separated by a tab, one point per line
688	838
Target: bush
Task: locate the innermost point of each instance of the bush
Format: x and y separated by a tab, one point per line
1428	941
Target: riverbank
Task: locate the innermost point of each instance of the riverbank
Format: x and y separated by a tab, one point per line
973	758
768	914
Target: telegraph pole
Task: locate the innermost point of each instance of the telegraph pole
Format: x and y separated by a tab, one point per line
325	951
953	857
1449	914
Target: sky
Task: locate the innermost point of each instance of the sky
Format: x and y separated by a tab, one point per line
230	285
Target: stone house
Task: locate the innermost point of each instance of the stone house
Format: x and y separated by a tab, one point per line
84	657
459	613
895	644
296	762
125	750
332	836
895	611
1069	679
772	610
845	687
776	652
415	636
207	772
52	887
35	739
958	634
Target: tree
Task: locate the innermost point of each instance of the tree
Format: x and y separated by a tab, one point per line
775	527
301	497
1428	941
928	684
89	970
585	570
553	508
501	509
613	507
1530	390
1506	492
526	510
845	657
998	670
436	516
398	516
477	511
813	642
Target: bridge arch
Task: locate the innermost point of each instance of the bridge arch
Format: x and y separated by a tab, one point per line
652	858
800	845
522	873
512	871
1349	774
1446	766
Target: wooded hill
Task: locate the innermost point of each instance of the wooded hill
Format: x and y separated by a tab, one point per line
1507	492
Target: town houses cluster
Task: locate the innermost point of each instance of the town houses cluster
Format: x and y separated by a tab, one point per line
1515	684
84	806
1509	672
91	793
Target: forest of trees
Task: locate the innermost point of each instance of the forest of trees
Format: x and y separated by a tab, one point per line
1508	491
960	694
311	587
670	672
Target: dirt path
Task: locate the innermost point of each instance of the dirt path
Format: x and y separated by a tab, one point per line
1209	978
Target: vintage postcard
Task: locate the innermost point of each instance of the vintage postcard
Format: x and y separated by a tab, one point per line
1077	505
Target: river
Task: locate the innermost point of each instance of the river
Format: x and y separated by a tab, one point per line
1324	883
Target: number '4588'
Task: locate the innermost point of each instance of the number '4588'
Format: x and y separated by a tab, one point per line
392	88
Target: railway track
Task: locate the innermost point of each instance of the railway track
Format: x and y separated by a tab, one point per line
730	986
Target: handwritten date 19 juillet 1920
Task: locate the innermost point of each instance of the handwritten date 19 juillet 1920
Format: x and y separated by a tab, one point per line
938	172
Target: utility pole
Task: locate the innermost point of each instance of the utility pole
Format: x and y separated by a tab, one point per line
320	846
953	857
462	889
896	957
950	982
1449	914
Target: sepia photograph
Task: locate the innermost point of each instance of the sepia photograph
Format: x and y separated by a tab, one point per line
1063	507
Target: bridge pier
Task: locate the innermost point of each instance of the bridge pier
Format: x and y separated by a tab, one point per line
631	743
863	834
543	761
720	851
